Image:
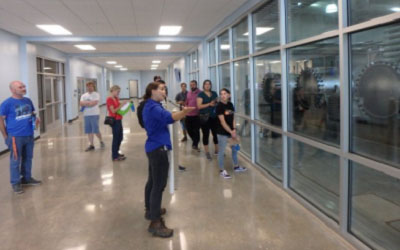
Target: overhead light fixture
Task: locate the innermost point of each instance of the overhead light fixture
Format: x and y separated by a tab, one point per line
85	47
315	5
225	46
273	62
154	65
169	30
47	68
123	69
156	61
118	66
260	30
54	29
299	3
111	62
153	69
395	9
260	64
163	46
331	8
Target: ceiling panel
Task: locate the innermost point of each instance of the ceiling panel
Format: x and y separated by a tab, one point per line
133	63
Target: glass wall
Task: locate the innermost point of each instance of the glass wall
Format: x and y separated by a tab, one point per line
213	77
267	89
266	26
242	87
314	95
212	52
308	122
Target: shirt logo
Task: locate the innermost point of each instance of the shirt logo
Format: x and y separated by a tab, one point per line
23	112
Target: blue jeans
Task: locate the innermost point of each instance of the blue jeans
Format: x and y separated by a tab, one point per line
222	141
20	161
118	136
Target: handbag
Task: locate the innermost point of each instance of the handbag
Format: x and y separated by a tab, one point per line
204	118
109	120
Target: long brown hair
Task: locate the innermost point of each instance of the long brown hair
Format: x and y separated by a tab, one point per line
149	89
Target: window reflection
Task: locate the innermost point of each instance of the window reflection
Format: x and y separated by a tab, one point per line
211	49
375	75
223	47
361	11
241	39
314	100
268	94
243	127
266	26
224	76
242	87
311	18
213	77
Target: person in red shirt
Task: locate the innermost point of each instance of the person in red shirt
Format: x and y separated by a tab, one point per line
113	105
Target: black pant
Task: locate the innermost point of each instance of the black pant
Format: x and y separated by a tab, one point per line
193	128
156	182
118	136
211	124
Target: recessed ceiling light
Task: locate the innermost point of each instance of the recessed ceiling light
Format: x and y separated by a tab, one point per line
111	62
47	68
331	8
225	46
85	47
154	65
260	64
169	30
156	61
118	66
260	30
315	5
273	62
123	69
395	9
163	46
54	29
153	69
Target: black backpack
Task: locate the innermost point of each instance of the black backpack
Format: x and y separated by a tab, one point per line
139	113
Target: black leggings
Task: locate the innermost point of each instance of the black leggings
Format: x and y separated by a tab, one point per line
211	124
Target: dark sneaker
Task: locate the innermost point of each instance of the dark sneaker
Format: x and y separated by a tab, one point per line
17	188
239	169
181	168
215	153
90	148
184	139
121	155
196	148
208	155
147	213
158	229
119	158
30	182
102	145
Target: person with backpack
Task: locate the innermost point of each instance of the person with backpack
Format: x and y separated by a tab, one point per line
156	120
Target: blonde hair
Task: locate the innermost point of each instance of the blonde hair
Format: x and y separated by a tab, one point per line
114	87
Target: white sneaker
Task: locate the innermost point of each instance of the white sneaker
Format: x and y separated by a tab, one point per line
224	174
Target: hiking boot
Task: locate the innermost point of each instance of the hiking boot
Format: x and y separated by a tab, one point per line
30	182
17	188
90	148
147	213
158	229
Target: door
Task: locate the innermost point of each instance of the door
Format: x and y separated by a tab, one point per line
133	89
53	101
81	90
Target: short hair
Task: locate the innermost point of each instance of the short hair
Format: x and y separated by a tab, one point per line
161	81
114	87
156	78
226	90
184	84
91	83
193	81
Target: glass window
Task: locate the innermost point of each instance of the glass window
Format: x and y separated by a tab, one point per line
62	69
242	87
243	129
194	61
50	67
314	96
212	52
47	87
375	72
43	120
213	77
314	174
39	66
224	76
361	11
241	39
269	151
268	94
375	207
56	90
266	26
223	47
40	90
310	18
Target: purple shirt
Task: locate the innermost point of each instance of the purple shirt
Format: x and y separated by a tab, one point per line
191	101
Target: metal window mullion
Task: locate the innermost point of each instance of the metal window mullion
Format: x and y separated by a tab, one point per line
251	82
344	181
217	65
284	92
231	66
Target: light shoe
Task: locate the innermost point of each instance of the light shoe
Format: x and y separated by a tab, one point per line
224	174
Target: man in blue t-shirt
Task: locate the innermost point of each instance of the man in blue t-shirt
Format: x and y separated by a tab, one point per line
17	123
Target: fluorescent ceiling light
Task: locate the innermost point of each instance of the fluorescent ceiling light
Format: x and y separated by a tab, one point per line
260	31
85	47
156	61
225	46
273	62
154	65
163	46
111	62
299	4
47	68
169	30
331	8
395	9
260	64
123	69
118	66
54	29
315	5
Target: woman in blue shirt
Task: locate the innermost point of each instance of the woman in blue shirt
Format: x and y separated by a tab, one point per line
156	120
206	101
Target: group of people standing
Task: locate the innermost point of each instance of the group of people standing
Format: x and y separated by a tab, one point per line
210	115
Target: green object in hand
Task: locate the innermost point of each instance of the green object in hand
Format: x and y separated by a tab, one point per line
124	109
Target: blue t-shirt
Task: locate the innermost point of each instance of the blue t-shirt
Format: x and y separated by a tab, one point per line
18	113
156	120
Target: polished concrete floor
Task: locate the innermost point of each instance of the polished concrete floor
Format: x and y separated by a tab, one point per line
87	202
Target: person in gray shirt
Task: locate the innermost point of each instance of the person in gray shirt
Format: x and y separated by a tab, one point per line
180	99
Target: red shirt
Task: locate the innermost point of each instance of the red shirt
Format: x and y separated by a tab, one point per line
115	103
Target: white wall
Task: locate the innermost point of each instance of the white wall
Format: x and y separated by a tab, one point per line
174	87
121	78
148	77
